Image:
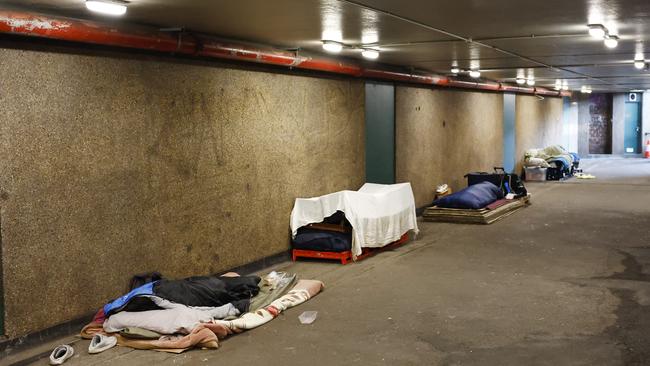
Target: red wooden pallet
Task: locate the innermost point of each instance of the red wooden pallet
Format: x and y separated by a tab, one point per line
346	256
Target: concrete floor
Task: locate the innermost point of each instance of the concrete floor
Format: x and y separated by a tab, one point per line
563	282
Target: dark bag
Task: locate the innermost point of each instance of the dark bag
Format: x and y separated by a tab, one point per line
140	279
554	173
509	183
479	177
513	184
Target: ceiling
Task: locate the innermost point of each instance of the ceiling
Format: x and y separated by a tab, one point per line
547	39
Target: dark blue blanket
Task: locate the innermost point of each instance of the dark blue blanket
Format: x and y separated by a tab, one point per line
473	197
322	241
560	162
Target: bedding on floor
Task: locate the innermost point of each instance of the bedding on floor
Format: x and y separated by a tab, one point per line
379	214
476	196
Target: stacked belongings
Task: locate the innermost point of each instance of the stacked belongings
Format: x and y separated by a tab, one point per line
483	201
556	162
176	315
349	225
334	234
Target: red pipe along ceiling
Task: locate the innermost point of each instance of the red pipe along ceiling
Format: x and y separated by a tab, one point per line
34	25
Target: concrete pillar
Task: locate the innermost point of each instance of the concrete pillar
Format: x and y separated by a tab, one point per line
645	118
584	119
570	124
618	124
509	142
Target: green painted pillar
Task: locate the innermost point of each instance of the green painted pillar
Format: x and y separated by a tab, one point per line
380	133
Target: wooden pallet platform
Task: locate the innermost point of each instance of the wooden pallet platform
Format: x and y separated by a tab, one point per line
468	216
346	256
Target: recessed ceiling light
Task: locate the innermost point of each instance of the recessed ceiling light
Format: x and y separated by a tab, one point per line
115	8
639	64
611	41
558	84
369	53
475	74
530	82
565	85
521	81
597	30
585	89
455	70
332	46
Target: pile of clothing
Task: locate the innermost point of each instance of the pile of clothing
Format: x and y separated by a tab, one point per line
554	156
176	315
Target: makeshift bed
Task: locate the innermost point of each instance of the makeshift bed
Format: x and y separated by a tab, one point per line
196	312
480	203
376	216
557	161
487	215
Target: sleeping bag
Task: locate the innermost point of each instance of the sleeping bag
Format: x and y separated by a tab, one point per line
473	197
322	240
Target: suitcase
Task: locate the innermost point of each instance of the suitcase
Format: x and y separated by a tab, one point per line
495	178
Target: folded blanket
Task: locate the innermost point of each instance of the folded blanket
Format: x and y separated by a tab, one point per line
538	162
473	197
303	291
178	319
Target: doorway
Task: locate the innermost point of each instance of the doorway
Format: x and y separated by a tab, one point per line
632	139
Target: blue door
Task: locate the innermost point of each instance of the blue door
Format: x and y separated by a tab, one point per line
632	128
380	133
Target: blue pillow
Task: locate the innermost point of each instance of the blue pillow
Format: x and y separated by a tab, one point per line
473	197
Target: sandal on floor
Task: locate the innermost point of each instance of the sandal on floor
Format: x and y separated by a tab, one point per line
60	354
101	343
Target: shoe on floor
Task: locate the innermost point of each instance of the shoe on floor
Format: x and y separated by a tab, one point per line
60	354
101	343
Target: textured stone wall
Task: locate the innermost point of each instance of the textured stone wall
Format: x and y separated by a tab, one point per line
112	167
538	124
600	124
444	134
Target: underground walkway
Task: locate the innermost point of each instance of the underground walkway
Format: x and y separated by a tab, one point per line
563	282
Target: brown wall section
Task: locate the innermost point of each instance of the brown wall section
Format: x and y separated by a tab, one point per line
112	167
442	135
538	124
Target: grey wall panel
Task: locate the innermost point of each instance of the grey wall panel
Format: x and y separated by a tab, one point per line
380	133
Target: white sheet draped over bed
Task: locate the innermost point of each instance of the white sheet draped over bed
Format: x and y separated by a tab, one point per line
379	213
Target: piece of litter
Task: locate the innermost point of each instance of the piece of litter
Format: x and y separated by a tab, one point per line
308	317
